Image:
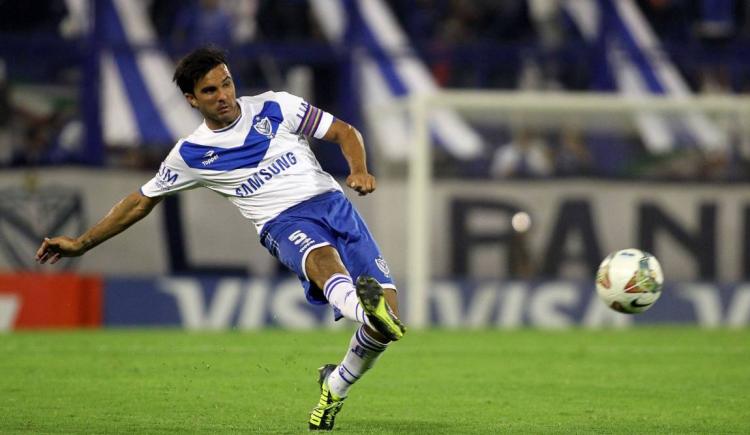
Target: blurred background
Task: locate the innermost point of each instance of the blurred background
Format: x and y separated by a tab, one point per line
516	143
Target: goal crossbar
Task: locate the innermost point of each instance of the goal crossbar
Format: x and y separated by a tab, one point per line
420	158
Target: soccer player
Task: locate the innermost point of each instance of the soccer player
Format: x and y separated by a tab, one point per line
254	151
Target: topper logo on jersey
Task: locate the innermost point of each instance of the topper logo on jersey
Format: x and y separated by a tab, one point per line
264	127
210	156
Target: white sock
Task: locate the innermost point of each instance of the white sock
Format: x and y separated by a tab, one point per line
340	292
361	356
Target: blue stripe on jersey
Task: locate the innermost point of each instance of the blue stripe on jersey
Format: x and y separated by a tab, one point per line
248	155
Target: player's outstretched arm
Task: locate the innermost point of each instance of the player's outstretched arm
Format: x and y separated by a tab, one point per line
125	213
353	148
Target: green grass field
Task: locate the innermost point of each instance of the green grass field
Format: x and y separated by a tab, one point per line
655	380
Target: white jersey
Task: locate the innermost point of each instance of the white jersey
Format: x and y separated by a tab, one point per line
262	162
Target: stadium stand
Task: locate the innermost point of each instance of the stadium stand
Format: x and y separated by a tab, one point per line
51	84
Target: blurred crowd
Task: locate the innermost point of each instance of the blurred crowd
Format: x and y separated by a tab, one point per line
508	44
542	48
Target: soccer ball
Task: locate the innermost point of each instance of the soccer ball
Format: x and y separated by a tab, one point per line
629	281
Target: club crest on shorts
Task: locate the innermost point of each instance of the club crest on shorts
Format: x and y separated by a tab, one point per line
383	266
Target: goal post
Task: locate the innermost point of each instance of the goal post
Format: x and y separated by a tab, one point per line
418	225
548	108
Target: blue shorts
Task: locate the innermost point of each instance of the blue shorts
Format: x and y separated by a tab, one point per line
326	219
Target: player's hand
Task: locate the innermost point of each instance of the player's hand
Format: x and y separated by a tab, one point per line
363	183
54	249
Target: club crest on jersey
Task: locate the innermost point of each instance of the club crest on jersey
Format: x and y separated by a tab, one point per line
264	127
210	157
383	266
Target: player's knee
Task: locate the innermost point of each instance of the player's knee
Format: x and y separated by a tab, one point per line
322	263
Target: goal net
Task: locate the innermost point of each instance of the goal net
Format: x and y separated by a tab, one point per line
538	155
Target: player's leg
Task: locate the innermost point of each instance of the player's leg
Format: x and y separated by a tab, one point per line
376	293
324	263
374	300
305	242
365	347
307	247
325	268
375	287
391	296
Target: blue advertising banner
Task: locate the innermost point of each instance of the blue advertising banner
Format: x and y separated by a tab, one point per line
223	303
210	303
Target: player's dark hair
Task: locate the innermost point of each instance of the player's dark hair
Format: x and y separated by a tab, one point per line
197	64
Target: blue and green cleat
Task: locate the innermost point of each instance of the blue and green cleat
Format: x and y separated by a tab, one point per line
370	295
323	415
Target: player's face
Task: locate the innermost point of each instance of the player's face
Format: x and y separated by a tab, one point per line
215	98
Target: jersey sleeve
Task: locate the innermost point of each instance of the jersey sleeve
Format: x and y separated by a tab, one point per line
302	118
173	176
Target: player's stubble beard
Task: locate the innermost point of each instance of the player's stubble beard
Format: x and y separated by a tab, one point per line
225	118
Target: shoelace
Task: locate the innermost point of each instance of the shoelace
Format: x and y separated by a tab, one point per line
333	407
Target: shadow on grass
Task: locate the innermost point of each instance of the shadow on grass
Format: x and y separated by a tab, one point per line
396	426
